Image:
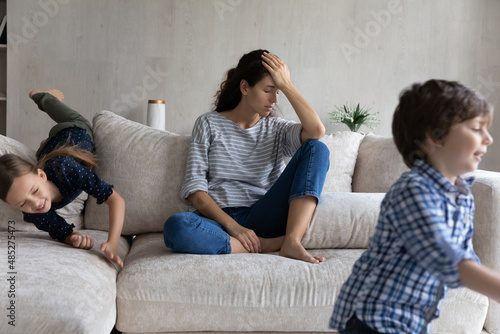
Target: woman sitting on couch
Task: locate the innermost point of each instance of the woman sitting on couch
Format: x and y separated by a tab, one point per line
246	200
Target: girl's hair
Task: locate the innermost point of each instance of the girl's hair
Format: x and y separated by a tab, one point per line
250	69
432	108
12	166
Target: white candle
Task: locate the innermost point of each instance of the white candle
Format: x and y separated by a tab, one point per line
156	114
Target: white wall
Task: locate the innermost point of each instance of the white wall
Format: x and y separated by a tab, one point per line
117	54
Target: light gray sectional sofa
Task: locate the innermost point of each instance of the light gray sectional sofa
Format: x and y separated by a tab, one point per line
58	289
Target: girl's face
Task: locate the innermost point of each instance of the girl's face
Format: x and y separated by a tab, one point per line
461	151
30	193
262	96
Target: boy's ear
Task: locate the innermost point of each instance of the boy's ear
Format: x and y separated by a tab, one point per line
244	87
41	174
434	137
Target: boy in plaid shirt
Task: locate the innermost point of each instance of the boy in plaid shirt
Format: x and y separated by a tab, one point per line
423	240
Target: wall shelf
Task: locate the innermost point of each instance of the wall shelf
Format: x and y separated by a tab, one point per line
3	75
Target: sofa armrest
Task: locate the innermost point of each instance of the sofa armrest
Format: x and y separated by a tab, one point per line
486	191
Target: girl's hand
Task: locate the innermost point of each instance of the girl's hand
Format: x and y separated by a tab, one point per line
111	252
78	240
278	70
246	237
116	206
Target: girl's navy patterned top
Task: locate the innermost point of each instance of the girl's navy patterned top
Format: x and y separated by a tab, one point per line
71	178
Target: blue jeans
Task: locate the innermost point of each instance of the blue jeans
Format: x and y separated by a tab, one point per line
191	232
356	326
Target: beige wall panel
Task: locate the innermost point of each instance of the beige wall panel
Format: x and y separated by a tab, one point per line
117	54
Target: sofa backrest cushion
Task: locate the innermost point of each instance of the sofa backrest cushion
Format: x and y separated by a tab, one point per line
343	148
343	220
145	166
72	212
378	165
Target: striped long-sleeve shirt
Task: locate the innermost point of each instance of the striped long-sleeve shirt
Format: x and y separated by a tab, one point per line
238	166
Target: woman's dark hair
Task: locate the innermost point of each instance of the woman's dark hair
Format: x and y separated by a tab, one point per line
432	108
250	69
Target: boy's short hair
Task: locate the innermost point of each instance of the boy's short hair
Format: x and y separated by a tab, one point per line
432	108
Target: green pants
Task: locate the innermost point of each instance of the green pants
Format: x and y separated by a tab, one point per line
64	116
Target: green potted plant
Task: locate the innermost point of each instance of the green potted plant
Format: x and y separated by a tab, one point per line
354	117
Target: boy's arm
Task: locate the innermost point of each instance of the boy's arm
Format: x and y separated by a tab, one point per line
418	216
480	279
116	206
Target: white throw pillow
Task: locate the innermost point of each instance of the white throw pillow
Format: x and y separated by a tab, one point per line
343	148
72	212
146	167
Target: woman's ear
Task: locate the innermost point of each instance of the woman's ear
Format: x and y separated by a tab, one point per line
244	87
41	174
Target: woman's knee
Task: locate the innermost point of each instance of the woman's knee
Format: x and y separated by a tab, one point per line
174	228
319	147
320	153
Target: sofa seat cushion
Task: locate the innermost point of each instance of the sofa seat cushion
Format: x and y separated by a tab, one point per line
463	311
161	291
57	288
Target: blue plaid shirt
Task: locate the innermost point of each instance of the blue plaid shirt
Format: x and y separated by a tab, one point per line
424	230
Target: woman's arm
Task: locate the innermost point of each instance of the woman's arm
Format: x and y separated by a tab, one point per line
480	279
207	206
116	206
312	127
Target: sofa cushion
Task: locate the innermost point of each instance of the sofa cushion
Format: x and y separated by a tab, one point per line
463	311
71	212
378	165
343	220
145	166
57	288
160	291
343	148
126	147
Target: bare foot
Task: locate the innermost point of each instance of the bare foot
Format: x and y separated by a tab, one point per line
268	245
54	92
298	252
